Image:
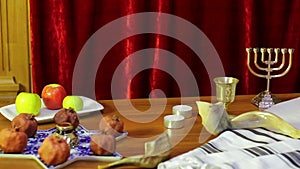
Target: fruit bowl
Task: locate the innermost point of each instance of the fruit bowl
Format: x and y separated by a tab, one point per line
46	115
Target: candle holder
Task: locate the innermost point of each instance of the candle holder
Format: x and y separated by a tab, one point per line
66	131
266	99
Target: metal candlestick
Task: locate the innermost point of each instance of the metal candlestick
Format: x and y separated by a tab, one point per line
265	99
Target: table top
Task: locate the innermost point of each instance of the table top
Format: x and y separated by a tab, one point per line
143	119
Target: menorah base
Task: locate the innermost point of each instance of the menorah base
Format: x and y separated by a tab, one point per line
265	100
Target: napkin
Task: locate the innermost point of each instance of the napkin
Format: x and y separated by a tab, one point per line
247	148
288	110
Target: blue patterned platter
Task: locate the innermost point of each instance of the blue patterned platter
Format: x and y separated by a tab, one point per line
81	152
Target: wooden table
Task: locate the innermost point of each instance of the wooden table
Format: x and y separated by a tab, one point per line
143	120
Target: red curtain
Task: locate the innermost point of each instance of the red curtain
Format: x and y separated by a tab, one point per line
61	30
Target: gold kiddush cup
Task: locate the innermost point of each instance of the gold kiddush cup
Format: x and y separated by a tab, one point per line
225	89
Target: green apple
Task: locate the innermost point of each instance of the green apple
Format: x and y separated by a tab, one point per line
74	102
28	103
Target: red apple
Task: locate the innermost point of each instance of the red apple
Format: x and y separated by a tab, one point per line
53	96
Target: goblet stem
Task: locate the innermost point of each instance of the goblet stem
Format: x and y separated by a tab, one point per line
226	106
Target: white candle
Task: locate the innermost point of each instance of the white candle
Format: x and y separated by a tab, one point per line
184	110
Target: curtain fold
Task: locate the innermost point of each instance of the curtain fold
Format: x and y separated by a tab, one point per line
61	28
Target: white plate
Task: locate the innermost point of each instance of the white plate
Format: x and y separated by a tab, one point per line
46	115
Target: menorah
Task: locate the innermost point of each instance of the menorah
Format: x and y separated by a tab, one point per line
265	99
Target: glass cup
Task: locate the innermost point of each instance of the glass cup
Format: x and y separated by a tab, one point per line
225	89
